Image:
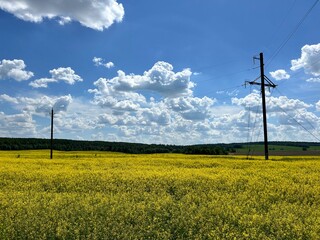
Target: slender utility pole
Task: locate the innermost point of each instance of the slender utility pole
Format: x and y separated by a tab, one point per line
51	145
264	108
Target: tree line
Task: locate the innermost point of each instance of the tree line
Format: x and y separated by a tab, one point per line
135	148
124	147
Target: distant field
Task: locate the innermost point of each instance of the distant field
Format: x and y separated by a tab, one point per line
278	150
98	195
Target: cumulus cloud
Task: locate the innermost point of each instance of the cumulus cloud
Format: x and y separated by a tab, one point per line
107	96
109	65
192	108
280	74
160	79
122	95
66	75
100	62
44	104
14	69
7	98
23	123
17	125
309	60
40	104
274	104
98	14
72	116
172	110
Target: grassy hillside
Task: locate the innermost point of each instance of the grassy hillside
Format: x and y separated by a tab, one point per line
278	149
96	195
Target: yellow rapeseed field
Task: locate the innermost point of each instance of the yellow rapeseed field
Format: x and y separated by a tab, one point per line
97	195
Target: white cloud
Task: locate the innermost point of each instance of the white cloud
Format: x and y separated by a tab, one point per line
97	61
100	62
17	125
192	108
7	98
280	74
64	20
120	96
136	118
14	69
274	104
309	60
314	80
39	104
318	106
72	116
44	104
109	65
98	14
60	74
42	82
65	74
287	118
160	79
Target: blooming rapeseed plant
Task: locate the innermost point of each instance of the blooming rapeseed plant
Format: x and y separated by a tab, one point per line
97	195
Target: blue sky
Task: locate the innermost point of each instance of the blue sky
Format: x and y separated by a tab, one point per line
167	72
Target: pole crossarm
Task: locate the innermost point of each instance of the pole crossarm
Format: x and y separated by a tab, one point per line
268	84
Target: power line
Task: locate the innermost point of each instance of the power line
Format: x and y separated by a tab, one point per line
226	75
222	90
216	65
299	123
292	33
299	71
251	136
310	124
282	22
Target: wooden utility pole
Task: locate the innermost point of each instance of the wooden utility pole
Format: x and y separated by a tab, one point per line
51	143
263	95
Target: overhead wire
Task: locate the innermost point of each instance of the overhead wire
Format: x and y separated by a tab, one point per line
253	130
225	75
215	65
285	17
254	125
260	125
286	40
298	72
299	123
310	124
235	88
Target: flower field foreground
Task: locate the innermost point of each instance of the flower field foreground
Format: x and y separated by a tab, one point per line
97	195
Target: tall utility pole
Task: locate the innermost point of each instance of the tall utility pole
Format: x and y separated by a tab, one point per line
51	143
263	95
